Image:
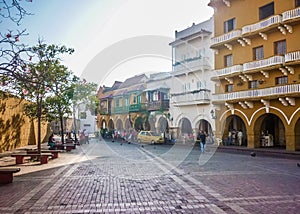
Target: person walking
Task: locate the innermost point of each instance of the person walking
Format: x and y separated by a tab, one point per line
240	137
86	136
202	138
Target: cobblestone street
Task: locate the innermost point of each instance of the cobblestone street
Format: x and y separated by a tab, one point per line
107	177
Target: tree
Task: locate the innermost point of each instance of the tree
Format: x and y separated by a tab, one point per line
84	93
59	105
37	80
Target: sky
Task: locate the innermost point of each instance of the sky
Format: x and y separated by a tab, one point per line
113	39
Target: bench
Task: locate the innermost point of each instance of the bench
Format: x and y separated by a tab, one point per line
70	146
43	157
6	175
53	152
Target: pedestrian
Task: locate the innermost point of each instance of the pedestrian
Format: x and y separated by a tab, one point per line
51	141
229	138
240	137
86	136
202	138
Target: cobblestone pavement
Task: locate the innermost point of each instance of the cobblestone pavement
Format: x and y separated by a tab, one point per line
106	177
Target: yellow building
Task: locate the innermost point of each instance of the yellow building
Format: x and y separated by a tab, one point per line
257	72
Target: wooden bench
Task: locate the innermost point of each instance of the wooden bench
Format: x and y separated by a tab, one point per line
6	175
53	152
43	157
70	146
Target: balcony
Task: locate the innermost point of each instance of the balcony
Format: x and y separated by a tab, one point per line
191	98
227	71
137	107
191	64
258	93
121	110
226	38
291	15
158	105
262	26
105	111
267	64
292	57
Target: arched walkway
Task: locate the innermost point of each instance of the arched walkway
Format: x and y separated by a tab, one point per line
119	125
111	125
235	132
297	135
271	131
186	130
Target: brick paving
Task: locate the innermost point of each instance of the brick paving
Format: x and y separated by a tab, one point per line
106	177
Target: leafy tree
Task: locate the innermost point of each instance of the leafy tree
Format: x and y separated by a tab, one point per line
37	80
59	105
84	94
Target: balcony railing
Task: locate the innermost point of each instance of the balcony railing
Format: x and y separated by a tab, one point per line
274	60
137	107
194	97
293	56
226	37
286	89
121	110
261	25
291	14
158	105
192	64
228	70
105	111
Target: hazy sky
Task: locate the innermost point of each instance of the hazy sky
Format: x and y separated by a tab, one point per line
92	26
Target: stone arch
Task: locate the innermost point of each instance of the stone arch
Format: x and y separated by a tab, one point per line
138	123
297	135
269	130
103	124
232	125
128	125
119	125
185	128
111	125
162	125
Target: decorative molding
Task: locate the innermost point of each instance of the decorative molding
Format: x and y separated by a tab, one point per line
264	36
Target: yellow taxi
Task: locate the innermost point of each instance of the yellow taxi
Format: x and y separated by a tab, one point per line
149	137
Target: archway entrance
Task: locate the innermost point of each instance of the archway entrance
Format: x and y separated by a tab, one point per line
138	124
186	131
111	125
297	135
205	126
119	125
128	125
103	124
271	130
235	127
163	126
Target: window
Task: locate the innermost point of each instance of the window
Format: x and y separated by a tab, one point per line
280	47
266	11
253	84
201	84
281	80
229	25
229	88
297	3
186	87
228	60
258	53
117	102
137	99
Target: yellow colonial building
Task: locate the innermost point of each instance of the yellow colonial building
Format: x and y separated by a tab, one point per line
257	72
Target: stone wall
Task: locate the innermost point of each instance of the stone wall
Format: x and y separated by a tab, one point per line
16	129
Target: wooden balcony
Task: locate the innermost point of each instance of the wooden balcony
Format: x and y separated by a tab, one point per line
291	16
264	64
137	107
230	37
158	105
258	93
105	111
226	71
121	110
292	57
262	26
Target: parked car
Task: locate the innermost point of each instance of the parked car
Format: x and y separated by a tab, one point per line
149	137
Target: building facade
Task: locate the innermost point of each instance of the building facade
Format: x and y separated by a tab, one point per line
191	106
257	72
